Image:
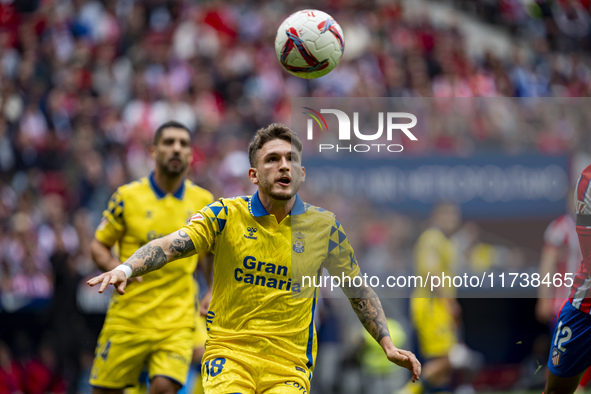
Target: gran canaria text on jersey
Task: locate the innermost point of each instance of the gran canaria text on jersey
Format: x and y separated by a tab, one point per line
264	279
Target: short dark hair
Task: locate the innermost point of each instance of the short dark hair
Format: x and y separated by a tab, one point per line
272	132
167	125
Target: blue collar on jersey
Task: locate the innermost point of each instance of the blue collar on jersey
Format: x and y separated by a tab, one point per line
257	209
160	193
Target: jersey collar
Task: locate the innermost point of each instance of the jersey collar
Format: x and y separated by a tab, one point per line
178	194
257	209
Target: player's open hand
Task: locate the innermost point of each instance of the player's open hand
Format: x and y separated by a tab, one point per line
116	278
406	359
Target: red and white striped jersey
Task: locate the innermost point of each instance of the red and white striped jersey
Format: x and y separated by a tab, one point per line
580	295
562	235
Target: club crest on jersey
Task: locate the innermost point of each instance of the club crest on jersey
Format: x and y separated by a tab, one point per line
298	243
555	356
251	232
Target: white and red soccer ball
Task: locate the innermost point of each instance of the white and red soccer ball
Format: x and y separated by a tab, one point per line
309	44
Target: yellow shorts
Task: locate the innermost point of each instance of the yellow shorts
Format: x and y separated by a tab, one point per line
121	355
229	371
435	327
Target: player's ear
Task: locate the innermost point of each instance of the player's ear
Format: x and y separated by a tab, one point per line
253	176
303	174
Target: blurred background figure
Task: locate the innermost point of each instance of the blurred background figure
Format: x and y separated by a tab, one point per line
561	253
436	316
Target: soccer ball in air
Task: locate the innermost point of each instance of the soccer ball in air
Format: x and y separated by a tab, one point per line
309	44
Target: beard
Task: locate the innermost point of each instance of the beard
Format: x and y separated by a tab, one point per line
266	187
172	170
285	196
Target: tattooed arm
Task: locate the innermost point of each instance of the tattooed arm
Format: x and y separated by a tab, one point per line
149	257
368	308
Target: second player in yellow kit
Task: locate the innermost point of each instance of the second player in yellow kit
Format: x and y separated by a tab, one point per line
435	314
436	328
262	337
153	323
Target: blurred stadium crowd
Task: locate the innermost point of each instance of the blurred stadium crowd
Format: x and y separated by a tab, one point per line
84	84
560	25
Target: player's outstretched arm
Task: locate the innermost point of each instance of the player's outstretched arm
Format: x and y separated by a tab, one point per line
149	257
368	308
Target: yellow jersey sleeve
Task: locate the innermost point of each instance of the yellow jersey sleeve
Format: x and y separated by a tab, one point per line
206	225
341	257
112	225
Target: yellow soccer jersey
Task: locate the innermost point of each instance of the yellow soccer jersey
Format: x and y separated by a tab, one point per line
434	255
138	213
254	307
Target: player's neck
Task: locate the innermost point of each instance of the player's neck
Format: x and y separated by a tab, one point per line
278	208
168	184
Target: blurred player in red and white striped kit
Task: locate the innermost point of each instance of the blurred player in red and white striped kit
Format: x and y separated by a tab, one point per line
570	352
561	254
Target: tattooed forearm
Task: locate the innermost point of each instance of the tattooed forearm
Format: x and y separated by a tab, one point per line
371	315
157	253
147	258
181	246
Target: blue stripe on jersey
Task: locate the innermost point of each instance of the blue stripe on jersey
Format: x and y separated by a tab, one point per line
311	335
